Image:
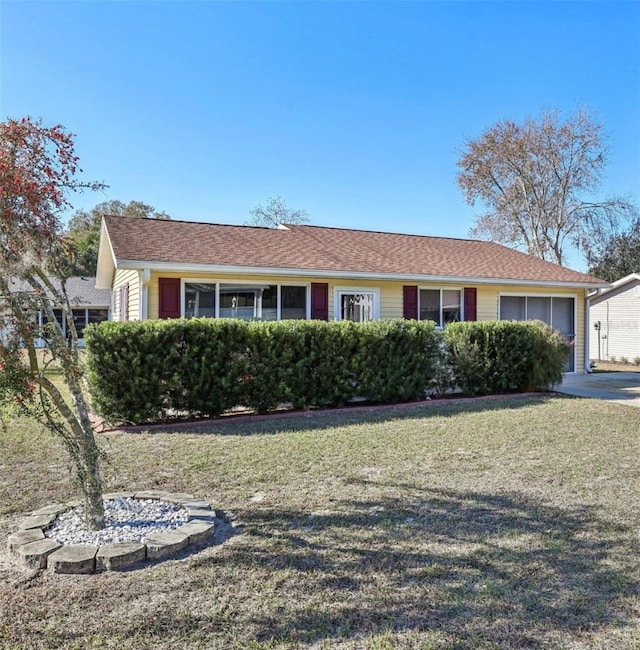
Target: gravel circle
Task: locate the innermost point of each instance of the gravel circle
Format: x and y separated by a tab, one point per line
126	520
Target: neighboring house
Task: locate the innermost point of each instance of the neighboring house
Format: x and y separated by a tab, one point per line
89	305
172	269
614	314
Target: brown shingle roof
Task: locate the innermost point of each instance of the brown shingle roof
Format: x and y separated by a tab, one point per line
315	248
80	290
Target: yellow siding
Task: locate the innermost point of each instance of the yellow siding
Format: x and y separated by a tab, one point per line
390	295
123	277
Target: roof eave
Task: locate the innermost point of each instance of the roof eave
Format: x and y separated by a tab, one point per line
354	275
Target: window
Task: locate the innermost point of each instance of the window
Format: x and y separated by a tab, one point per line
199	300
97	315
245	301
442	306
248	302
513	308
81	318
293	302
357	305
556	311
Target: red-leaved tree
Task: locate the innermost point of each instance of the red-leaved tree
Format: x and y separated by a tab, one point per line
38	173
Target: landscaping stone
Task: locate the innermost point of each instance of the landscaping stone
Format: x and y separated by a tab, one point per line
197	531
23	537
35	554
194	503
151	494
73	559
119	555
161	545
56	510
37	521
69	555
204	514
177	497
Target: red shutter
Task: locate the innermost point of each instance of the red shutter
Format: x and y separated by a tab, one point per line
319	301
410	302
169	297
470	303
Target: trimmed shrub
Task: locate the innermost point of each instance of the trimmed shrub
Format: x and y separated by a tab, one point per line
395	360
156	370
490	357
212	364
132	368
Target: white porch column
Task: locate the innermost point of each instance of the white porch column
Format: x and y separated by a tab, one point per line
145	276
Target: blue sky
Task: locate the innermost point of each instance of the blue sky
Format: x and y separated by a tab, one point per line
354	111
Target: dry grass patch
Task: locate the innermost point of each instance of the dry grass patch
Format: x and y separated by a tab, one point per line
508	524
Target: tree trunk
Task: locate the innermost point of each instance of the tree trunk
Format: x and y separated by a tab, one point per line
83	448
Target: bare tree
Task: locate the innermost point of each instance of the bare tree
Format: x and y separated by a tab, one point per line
276	212
537	181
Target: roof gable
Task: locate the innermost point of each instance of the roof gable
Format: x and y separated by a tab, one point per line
324	251
630	282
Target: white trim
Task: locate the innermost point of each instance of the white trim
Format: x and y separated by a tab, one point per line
551	295
113	262
307	286
175	267
587	335
339	291
144	277
614	285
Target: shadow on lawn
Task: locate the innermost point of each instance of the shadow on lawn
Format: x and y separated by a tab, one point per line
474	567
295	421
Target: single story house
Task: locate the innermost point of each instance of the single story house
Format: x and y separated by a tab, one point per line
614	314
89	304
173	269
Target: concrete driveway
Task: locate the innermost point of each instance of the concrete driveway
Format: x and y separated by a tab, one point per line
619	387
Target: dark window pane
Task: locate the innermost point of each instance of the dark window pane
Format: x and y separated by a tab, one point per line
270	297
512	308
294	302
238	301
450	306
98	315
539	309
48	327
562	318
268	310
430	305
199	300
80	321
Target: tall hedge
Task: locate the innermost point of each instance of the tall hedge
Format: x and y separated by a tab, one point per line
489	357
162	369
155	370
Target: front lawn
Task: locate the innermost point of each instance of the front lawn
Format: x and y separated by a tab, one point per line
498	524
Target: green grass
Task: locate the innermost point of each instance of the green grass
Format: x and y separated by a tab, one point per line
498	524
